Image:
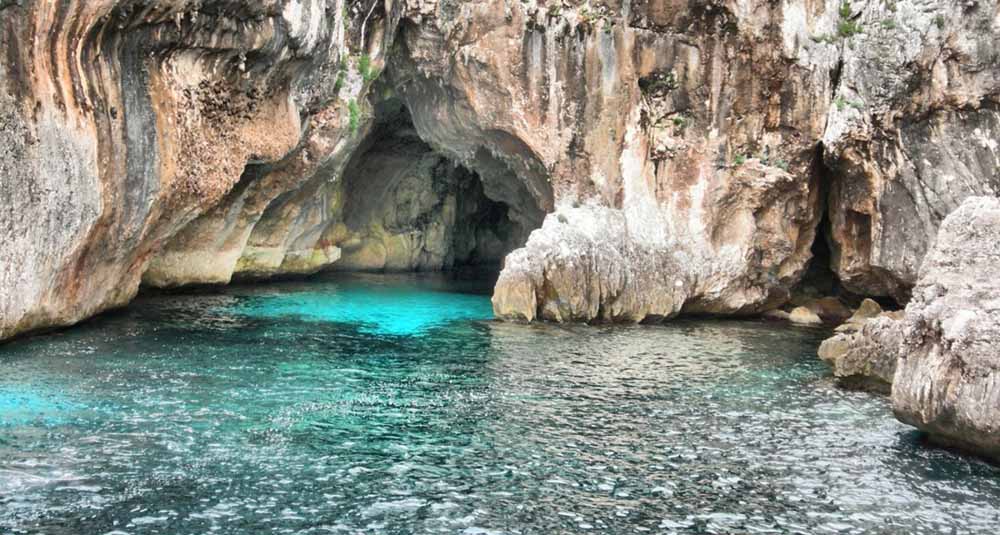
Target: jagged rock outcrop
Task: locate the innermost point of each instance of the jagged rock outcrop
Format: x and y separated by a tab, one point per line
912	133
907	94
947	380
865	348
939	355
176	142
864	355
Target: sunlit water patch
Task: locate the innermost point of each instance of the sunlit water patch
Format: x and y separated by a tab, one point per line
392	405
31	405
372	306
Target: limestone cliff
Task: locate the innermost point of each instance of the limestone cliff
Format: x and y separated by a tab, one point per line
670	155
948	374
120	123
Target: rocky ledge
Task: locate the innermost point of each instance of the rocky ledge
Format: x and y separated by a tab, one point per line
864	351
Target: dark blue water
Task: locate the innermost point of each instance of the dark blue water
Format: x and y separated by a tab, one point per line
393	405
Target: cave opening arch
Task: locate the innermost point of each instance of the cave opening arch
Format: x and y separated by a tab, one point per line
406	204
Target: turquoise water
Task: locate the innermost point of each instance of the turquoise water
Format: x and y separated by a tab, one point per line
378	307
394	405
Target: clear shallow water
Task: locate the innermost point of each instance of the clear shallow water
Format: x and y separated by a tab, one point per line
399	408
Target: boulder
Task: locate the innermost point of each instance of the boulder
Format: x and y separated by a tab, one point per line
869	309
829	309
865	356
804	316
947	381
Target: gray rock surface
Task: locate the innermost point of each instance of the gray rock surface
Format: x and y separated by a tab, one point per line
913	132
948	377
864	355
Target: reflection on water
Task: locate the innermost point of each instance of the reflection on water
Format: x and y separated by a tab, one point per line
392	405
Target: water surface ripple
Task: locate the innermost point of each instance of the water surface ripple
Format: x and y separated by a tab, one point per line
393	405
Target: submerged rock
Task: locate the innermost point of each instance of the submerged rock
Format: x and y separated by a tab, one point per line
948	377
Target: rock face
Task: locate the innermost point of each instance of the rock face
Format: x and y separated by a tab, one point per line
682	154
865	349
948	378
864	355
912	133
120	123
895	90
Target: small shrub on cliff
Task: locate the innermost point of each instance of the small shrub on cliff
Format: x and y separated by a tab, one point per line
365	68
845	10
739	160
842	103
339	84
353	116
847	27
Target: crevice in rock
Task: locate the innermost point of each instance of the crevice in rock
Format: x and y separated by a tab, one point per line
821	278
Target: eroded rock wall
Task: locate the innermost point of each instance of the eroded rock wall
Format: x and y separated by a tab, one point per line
687	149
947	380
883	114
912	133
122	121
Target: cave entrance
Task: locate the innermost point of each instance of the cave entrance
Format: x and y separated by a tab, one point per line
405	206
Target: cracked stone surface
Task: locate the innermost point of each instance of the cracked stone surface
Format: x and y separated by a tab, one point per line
947	380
